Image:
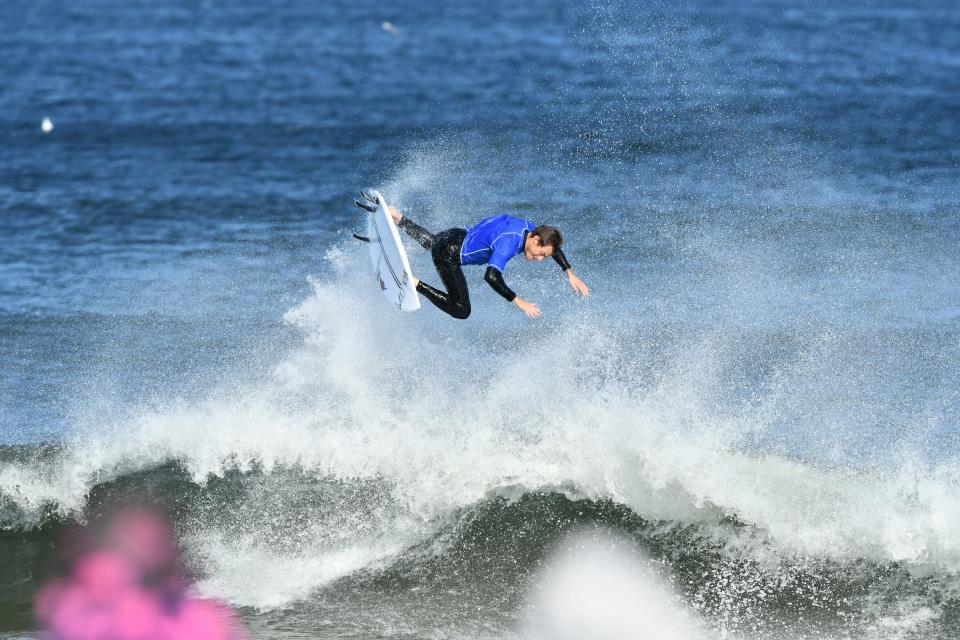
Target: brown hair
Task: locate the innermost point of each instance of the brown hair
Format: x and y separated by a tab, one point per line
549	236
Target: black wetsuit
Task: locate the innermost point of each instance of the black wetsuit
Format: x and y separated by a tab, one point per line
445	247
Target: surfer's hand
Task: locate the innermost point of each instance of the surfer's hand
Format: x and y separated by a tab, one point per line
528	308
578	285
395	214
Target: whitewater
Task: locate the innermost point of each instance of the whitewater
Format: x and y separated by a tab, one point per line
379	435
750	425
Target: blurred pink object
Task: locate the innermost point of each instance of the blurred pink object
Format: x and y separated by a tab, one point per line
144	537
129	585
202	619
104	575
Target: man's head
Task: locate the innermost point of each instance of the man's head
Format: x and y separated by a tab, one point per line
542	242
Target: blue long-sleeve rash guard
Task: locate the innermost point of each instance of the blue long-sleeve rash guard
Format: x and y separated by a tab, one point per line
493	241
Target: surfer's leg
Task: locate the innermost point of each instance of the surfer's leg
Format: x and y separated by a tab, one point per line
446	257
457	301
458	308
418	233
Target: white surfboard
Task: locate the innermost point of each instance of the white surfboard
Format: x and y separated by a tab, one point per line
389	259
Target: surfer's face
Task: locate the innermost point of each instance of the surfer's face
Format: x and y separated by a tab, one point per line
534	249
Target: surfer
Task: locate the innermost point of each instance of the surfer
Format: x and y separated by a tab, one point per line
492	241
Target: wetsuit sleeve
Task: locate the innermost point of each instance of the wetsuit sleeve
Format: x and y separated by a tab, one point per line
560	259
494	278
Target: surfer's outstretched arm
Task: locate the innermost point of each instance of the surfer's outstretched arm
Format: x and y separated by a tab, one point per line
495	279
578	285
532	310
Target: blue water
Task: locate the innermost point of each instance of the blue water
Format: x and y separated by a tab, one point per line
762	196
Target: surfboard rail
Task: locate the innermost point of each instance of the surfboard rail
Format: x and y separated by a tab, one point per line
388	257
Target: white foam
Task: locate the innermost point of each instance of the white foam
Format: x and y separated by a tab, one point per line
250	574
599	587
443	417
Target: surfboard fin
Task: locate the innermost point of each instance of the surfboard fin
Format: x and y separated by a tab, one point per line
370	198
366	207
361	238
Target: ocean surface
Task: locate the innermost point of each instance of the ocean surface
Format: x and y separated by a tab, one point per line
761	397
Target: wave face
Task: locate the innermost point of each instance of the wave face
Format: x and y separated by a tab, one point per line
431	467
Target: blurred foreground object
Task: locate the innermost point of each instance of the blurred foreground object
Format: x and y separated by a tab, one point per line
599	586
125	581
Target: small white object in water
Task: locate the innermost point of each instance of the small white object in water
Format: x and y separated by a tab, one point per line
389	28
47	125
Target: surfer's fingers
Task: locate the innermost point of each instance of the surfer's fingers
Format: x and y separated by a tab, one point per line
579	286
